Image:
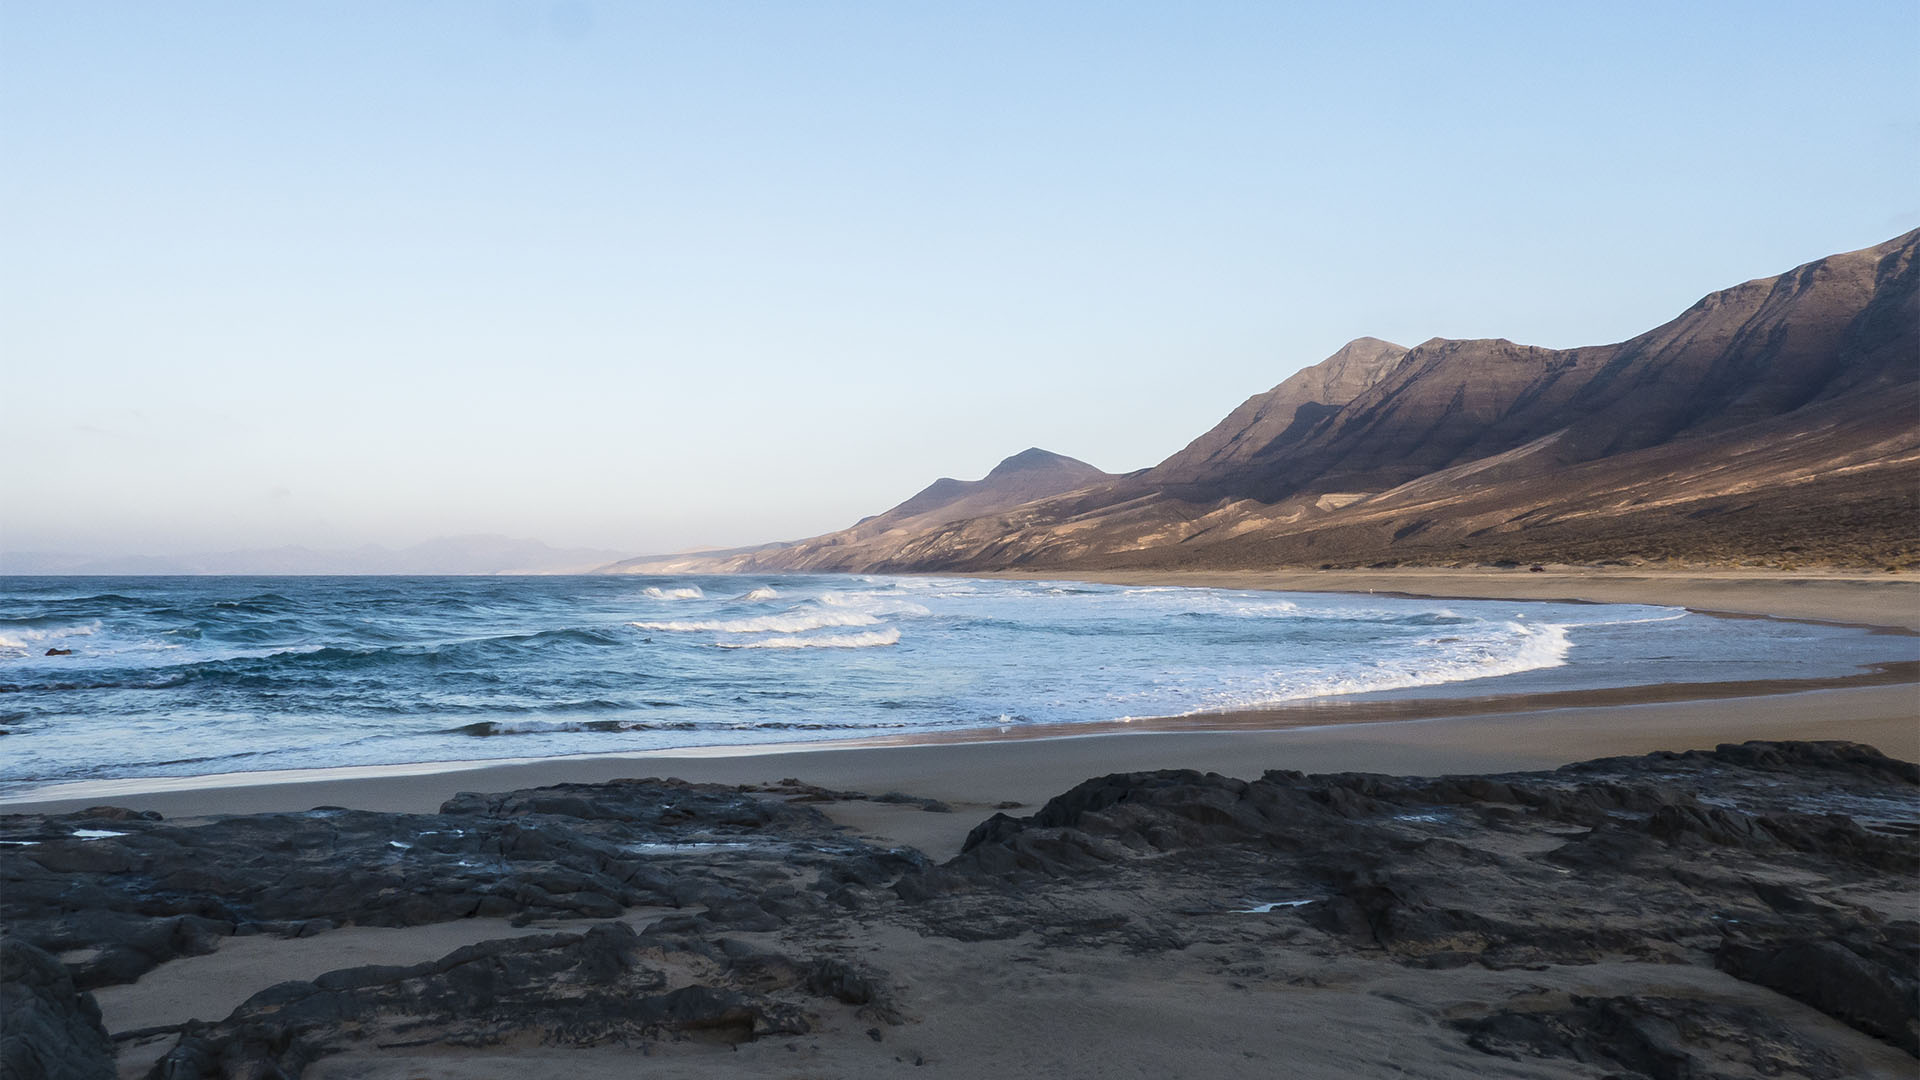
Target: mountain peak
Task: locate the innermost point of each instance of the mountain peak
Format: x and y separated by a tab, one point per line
1032	473
1033	458
1367	345
1265	420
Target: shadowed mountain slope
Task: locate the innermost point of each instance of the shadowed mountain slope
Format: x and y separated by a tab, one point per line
1778	420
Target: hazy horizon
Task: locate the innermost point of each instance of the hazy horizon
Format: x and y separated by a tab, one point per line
645	278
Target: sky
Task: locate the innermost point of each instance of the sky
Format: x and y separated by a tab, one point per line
649	277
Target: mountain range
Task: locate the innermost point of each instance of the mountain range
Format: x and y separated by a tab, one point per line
1775	422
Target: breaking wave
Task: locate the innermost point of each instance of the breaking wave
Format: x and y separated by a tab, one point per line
1519	647
655	592
489	728
794	622
889	636
874	603
27	637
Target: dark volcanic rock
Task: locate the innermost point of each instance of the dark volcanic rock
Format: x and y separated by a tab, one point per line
1873	989
1661	1038
48	1029
605	985
1691	857
1765	872
135	892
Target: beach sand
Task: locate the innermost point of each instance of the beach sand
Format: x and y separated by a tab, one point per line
988	1008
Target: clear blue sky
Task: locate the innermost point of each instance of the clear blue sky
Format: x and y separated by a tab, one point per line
648	276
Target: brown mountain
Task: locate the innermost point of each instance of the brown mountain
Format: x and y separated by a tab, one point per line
1776	420
1255	431
1030	475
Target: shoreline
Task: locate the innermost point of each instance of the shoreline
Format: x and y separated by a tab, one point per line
1306	715
1843	598
1416	735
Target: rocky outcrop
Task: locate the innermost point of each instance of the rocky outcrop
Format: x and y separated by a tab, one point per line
48	1029
127	892
606	985
1740	911
1702	858
1662	1038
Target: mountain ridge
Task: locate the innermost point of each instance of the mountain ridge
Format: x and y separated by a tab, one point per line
1030	475
1774	420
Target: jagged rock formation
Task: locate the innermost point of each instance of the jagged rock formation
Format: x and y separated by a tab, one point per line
606	985
1736	912
1771	421
150	891
1776	863
48	1028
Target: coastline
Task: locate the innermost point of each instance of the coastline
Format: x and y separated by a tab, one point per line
1026	766
996	978
1863	599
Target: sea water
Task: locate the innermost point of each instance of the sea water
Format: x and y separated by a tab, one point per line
185	676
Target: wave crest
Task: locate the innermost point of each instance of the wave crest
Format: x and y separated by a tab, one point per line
793	622
1521	647
870	639
655	592
488	728
874	603
24	638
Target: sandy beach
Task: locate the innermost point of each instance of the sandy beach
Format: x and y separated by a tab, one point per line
986	1008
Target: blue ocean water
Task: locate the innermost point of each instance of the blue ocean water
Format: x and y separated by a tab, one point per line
181	676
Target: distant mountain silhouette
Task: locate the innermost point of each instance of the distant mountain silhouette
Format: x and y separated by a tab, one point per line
1029	475
1775	421
477	554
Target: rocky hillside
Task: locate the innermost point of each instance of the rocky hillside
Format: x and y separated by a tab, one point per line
1773	421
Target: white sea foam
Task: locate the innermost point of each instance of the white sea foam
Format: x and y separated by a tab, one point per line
764	592
560	727
1516	648
655	592
875	603
889	636
27	637
1177	600
793	622
1665	616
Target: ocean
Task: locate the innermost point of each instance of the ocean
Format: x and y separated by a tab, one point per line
188	676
